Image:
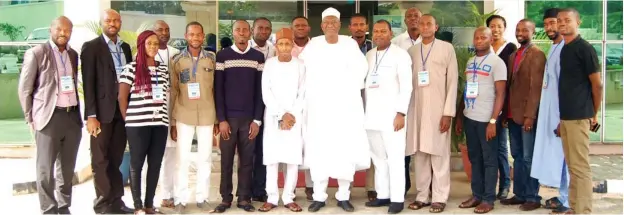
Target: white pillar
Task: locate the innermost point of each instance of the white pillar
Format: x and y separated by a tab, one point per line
81	11
512	10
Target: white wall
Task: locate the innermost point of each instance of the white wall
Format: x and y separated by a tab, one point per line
512	10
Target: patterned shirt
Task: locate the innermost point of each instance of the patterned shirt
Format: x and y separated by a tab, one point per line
142	109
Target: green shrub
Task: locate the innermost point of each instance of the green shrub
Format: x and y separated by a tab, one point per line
9	107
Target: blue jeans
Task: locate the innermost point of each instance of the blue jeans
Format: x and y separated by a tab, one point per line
504	181
525	187
483	156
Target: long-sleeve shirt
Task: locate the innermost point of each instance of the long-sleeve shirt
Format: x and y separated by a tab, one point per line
238	77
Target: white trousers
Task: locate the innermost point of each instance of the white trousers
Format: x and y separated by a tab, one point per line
290	182
204	162
433	171
388	155
320	189
169	172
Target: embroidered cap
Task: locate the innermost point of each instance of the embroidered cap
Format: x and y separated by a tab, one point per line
284	33
330	12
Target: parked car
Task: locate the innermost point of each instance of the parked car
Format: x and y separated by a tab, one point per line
178	43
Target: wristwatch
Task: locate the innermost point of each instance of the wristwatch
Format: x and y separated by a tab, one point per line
492	121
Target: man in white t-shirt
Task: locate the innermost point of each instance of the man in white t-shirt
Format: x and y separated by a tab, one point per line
411	36
168	170
484	95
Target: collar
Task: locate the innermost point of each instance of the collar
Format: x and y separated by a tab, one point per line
108	40
235	48
253	43
407	37
499	49
202	53
55	47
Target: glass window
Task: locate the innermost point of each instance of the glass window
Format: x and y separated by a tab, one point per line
613	96
590	11
280	13
614	20
138	16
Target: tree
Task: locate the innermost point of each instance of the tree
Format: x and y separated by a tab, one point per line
11	31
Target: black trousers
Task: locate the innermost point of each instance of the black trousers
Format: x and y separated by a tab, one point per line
408	181
259	169
146	142
239	140
57	148
106	155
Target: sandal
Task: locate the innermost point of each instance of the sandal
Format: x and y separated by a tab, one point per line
167	203
470	203
437	207
416	205
562	210
552	203
152	211
483	208
372	195
221	207
266	207
294	207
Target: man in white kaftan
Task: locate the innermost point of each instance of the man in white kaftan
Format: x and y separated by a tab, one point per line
549	162
336	144
430	113
283	94
388	92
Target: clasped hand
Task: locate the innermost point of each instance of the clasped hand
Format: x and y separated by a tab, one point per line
287	121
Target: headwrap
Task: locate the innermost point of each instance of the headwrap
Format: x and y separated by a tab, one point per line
330	12
284	33
551	13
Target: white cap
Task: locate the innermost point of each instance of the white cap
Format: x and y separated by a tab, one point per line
330	12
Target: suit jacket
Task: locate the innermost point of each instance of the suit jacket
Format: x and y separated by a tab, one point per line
38	86
524	87
99	78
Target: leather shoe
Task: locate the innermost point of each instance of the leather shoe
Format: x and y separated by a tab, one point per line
346	206
529	206
309	191
64	211
378	203
316	206
396	207
502	194
122	210
512	201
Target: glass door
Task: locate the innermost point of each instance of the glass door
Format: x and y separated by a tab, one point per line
316	8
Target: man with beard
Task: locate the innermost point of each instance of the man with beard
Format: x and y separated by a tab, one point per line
483	101
431	111
193	113
103	59
411	36
335	73
550	168
580	96
239	108
406	40
262	28
358	27
167	176
301	30
525	75
55	119
388	90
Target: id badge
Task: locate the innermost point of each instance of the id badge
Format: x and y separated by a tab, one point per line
374	81
545	84
158	95
193	91
423	78
67	84
472	90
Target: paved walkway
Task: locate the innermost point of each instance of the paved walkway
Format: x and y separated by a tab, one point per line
84	194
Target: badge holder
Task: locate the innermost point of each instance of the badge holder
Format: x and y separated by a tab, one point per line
158	95
67	84
472	90
423	78
193	91
374	81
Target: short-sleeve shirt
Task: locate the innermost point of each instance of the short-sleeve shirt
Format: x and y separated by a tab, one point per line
489	69
578	61
142	110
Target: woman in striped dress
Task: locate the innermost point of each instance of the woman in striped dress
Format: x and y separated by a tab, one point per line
142	100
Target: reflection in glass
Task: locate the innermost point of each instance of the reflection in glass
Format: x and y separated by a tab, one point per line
614	19
280	13
613	97
591	15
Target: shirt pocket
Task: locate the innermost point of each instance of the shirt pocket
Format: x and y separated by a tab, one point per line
185	76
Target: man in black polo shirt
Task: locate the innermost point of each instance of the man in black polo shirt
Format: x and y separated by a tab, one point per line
580	94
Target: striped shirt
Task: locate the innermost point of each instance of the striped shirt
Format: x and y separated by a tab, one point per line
142	110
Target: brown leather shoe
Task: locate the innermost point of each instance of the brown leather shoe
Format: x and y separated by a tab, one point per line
309	191
529	206
512	201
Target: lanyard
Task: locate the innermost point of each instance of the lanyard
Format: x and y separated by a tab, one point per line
517	65
474	76
60	54
424	61
161	58
379	62
156	72
195	63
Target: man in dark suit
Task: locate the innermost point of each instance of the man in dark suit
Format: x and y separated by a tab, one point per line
103	59
48	95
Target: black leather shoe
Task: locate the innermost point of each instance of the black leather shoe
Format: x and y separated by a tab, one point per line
502	194
64	211
378	203
316	206
396	207
346	206
122	210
